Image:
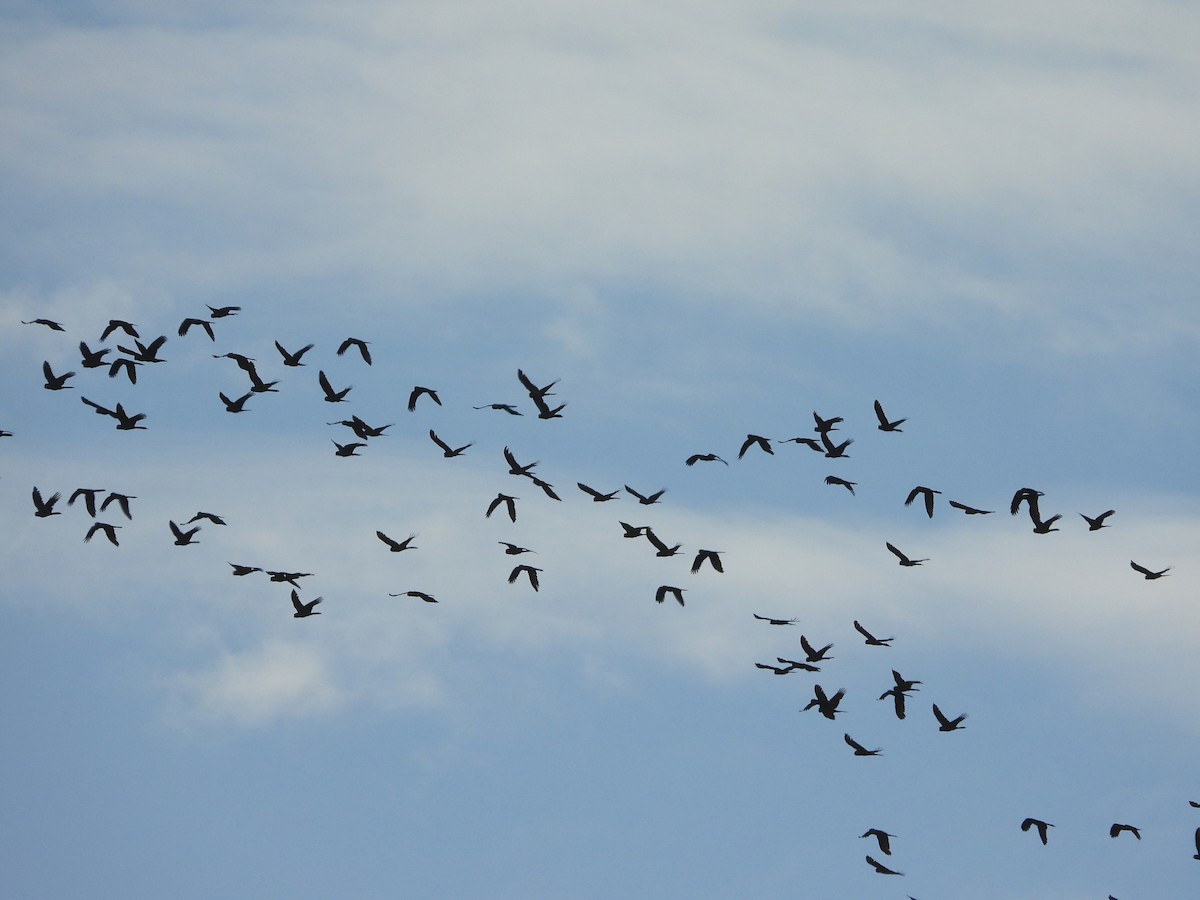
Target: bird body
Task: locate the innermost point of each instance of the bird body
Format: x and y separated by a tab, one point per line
1039	825
304	610
667	590
945	723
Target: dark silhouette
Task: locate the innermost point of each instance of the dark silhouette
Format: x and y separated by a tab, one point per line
513	549
220	312
660	548
289	577
510	504
183	538
1197	841
360	344
514	467
397	546
1039	825
89	499
1043	527
904	684
55	382
945	724
93	359
122	500
703	457
332	396
128	366
416	395
147	353
44	508
244	570
666	590
547	487
884	839
49	323
884	423
596	496
834	480
119	325
881	868
758	440
810	443
898	697
645	499
771	621
1095	524
1150	576
871	640
428	598
904	560
860	750
292	359
970	510
350	449
794	665
304	609
926	493
632	531
712	556
1029	497
238	405
813	655
125	422
110	532
826	706
502	407
1116	829
530	571
447	450
778	670
824	426
187	324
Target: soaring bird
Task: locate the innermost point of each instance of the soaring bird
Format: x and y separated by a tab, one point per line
49	323
530	571
812	654
360	344
447	450
597	496
289	577
921	491
970	510
703	457
332	396
238	405
1096	523
220	312
547	487
824	426
119	325
511	549
110	532
187	324
666	590
183	538
350	449
123	364
1039	825
834	480
826	705
810	443
1150	576
397	546
428	598
93	359
758	440
946	724
660	548
44	508
904	560
778	670
646	499
292	359
510	504
122	500
860	750
244	570
502	407
712	556
514	467
1117	829
871	640
416	395
1044	526
881	868
835	451
634	531
55	382
884	423
147	353
771	621
304	609
89	499
884	839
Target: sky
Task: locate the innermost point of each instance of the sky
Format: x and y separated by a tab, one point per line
701	221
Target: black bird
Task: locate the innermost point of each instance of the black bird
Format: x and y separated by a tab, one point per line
289	577
416	394
187	324
147	353
834	480
362	349
511	549
1117	829
304	609
49	323
119	325
644	499
813	655
55	382
220	312
1095	524
1039	825
660	548
183	538
535	392
244	570
804	667
547	487
502	407
871	640
771	621
531	571
510	504
904	684
884	839
514	467
397	546
350	449
332	396
292	359
826	425
898	697
860	750
884	423
970	510
810	443
447	451
238	405
1150	576
946	724
122	500
125	422
1043	527
632	531
832	450
778	670
126	365
44	508
881	868
89	499
93	359
361	429
826	706
258	386
544	410
1197	856
1029	497
596	496
110	532
703	457
763	444
904	560
927	493
666	590
713	557
428	598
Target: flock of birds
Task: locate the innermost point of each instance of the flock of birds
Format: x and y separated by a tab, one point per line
130	355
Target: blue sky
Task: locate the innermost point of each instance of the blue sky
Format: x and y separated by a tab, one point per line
703	220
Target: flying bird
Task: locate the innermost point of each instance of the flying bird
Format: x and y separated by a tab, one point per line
147	353
126	365
904	684
1039	825
93	359
304	609
666	590
871	640
55	382
397	546
824	426
660	548
350	449
183	538
122	500
597	496
904	560
511	549
712	556
771	621
332	396
510	504
926	493
634	531
860	750
884	423
810	443
447	451
1116	829
119	325
235	406
360	344
826	705
835	451
530	571
1044	527
292	359
1096	523
1197	839
186	325
502	407
49	323
834	480
244	570
514	467
289	577
813	655
1029	497
416	395
89	499
794	665
703	457
946	724
753	440
884	839
644	499
1150	576
428	598
110	532
44	508
970	510
898	698
547	487
778	670
881	868
220	312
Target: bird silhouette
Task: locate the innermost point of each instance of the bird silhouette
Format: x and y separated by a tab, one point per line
778	670
797	666
881	868
1095	524
511	549
514	467
634	531
834	480
871	640
350	449
416	394
660	548
898	699
110	532
122	500
646	499
49	323
44	508
547	487
883	838
92	359
428	598
1044	526
824	426
1116	829
186	325
447	451
946	724
55	382
1150	575
147	353
119	325
89	499
884	423
332	396
128	366
812	654
835	451
825	705
238	405
258	386
1197	841
904	560
755	440
703	457
304	609
860	750
361	345
771	621
288	577
904	684
510	504
502	407
397	546
1039	825
125	422
241	570
292	359
1029	497
970	510
810	443
713	558
667	590
183	538
220	312
926	493
596	495
528	570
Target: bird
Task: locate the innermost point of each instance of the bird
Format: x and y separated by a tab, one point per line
666	590
1043	527
183	538
126	365
397	546
805	667
810	443
122	500
826	705
289	577
55	382
416	394
126	422
350	449
362	349
758	440
946	724
884	839
544	410
530	571
428	598
49	323
332	396
93	359
292	359
1039	825
921	491
645	499
89	499
1197	841
834	480
703	457
871	640
447	451
826	425
634	531
547	487
147	353
510	504
832	450
186	325
1029	497
712	556
1096	523
110	531
220	312
778	670
660	548
904	684
904	560
860	750
244	570
235	406
502	407
514	467
597	496
361	429
1116	829
881	868
119	325
534	391
258	386
813	655
304	609
771	621
898	698
44	508
970	510
511	549
1150	576
884	423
